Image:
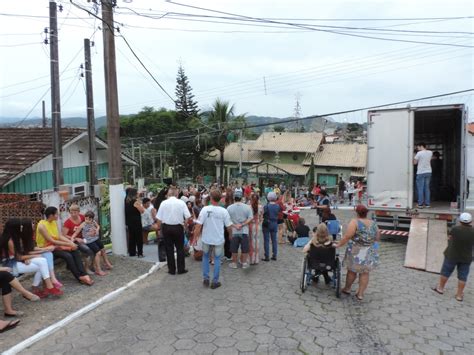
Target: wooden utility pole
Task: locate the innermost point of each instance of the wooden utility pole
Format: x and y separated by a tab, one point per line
55	97
44	114
90	117
117	207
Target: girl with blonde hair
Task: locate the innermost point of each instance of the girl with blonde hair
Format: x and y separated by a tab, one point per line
320	239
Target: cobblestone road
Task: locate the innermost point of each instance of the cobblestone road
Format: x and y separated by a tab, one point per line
262	310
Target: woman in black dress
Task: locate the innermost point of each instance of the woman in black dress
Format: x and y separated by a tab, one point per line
133	220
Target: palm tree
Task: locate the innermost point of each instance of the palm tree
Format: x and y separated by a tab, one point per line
222	117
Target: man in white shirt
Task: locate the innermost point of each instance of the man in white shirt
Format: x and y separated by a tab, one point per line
211	223
423	174
171	216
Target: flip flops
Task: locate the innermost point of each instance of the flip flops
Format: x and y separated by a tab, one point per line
10	325
459	299
435	289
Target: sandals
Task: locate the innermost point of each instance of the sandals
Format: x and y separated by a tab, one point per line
17	314
435	289
10	325
346	292
358	298
459	299
86	280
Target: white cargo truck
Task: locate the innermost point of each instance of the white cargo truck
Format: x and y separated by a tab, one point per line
391	187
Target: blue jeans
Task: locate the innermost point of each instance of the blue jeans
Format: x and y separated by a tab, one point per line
270	231
206	251
423	188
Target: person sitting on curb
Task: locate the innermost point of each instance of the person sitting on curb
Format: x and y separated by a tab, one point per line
211	223
458	255
241	215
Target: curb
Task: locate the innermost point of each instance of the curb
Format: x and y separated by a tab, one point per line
63	322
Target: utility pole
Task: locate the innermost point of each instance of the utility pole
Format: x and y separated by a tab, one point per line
161	168
134	166
117	207
90	118
44	114
55	97
241	152
153	165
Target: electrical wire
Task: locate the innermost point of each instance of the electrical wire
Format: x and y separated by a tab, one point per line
20	44
316	29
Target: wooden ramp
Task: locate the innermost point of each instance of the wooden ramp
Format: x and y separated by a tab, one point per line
427	241
437	243
415	256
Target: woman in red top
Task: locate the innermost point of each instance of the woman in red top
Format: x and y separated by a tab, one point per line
70	226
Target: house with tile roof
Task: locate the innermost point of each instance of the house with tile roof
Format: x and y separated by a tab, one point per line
26	162
335	161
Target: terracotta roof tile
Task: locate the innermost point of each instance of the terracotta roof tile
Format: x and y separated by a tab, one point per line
22	147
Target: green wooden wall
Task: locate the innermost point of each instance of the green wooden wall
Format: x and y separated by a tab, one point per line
36	182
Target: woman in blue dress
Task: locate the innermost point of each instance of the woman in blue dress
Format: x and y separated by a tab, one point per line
361	256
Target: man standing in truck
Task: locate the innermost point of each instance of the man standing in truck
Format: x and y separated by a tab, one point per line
423	174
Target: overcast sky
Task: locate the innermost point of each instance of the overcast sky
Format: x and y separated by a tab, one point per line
258	69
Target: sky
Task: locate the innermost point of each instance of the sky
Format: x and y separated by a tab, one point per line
260	68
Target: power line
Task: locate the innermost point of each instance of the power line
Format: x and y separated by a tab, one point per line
316	29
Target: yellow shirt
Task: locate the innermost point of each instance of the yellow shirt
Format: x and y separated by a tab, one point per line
51	227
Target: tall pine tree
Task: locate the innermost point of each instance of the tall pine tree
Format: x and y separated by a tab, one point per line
188	162
186	107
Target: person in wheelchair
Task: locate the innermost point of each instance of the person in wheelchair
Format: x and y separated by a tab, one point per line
320	253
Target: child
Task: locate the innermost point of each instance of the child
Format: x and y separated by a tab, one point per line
90	232
320	239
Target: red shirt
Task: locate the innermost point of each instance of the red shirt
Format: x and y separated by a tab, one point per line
71	226
248	190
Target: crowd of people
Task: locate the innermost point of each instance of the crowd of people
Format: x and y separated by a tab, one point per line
217	224
223	224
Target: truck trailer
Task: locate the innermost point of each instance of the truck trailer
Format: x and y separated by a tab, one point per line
391	189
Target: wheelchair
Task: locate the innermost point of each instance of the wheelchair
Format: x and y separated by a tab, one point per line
319	260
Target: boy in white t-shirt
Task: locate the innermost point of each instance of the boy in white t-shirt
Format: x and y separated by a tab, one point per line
423	174
210	226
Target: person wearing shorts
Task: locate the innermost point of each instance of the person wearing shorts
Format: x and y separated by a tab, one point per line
241	215
458	255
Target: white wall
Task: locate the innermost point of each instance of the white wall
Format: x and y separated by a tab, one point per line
71	157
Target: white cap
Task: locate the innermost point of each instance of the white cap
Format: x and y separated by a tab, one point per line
184	198
465	217
192	198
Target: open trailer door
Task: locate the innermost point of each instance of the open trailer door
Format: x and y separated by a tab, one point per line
390	159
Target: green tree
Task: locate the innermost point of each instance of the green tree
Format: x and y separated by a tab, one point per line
279	128
186	107
223	118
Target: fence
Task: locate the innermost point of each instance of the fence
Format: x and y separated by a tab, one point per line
19	206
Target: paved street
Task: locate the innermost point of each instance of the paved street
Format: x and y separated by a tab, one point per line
262	310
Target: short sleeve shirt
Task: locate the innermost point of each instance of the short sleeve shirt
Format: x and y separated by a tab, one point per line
214	219
72	227
239	213
423	157
460	245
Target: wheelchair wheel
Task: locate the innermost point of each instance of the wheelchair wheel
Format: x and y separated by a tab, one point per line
304	276
337	275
